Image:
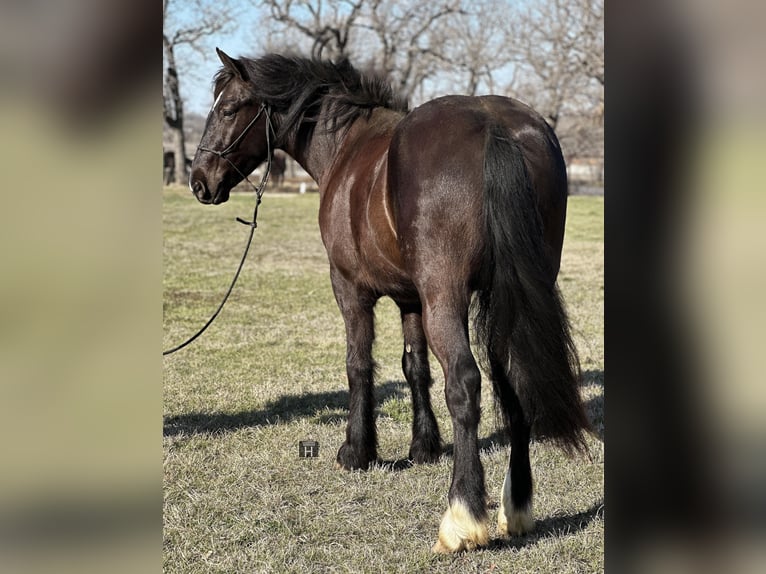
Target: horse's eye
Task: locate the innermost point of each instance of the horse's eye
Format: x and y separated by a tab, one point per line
229	113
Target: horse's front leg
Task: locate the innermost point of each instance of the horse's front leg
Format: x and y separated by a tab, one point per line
360	446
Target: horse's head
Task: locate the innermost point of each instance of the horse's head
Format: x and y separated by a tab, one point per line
234	142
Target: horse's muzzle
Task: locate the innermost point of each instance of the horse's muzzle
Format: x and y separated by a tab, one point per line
201	191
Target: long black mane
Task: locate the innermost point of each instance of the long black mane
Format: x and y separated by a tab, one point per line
299	88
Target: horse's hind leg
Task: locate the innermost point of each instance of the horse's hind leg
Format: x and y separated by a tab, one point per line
515	514
360	446
426	443
464	525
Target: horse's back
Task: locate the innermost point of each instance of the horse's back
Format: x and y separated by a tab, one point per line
436	176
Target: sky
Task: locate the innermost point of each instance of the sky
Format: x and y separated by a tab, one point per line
197	69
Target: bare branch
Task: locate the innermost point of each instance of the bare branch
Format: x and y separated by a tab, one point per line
550	51
182	30
327	30
559	52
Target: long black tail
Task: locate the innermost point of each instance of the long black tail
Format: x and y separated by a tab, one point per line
521	320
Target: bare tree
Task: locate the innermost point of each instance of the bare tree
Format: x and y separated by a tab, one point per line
206	20
550	53
412	36
327	25
559	51
477	45
403	40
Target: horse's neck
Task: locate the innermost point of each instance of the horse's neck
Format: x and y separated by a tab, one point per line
317	154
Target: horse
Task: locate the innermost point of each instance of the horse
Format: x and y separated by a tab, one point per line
454	210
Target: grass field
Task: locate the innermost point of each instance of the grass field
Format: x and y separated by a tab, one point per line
270	372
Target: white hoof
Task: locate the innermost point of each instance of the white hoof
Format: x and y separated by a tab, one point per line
459	530
513	521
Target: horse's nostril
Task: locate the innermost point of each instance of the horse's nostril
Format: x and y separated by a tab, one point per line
199	189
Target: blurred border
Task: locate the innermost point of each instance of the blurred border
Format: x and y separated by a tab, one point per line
685	148
80	294
80	288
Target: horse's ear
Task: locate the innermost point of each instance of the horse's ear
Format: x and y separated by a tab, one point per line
232	64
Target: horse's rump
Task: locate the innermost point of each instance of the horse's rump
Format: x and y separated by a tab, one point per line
480	189
436	177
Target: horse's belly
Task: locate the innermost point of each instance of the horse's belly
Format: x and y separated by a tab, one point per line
359	231
370	260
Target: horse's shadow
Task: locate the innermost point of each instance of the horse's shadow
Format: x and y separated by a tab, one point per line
284	409
594	409
322	406
552	527
498	438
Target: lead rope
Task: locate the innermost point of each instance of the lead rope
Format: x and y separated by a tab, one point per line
252	224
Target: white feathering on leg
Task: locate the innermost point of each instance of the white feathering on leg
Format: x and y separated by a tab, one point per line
510	520
459	530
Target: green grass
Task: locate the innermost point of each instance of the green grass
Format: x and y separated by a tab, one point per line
270	372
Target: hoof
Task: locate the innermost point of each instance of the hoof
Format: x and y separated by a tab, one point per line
422	454
340	466
349	459
459	530
513	521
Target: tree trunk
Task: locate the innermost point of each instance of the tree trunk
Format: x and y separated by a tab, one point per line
174	115
181	175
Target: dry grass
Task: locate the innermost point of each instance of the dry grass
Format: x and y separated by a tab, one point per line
270	372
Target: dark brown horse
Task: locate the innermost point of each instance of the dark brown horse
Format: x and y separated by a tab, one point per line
461	196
